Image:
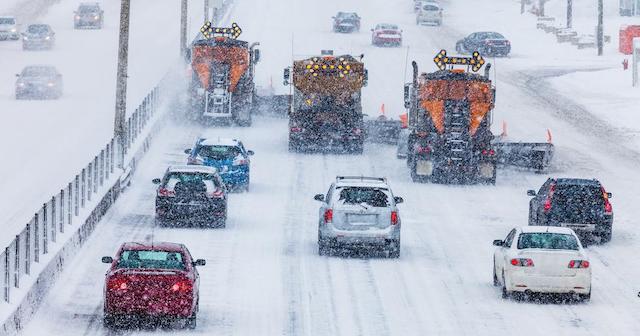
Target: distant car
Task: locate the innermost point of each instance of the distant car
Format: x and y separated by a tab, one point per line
157	280
228	156
359	212
487	43
346	22
39	82
38	36
580	204
191	194
386	34
542	259
429	12
88	15
9	28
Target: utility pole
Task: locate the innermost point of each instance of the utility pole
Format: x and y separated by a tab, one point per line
635	59
541	9
206	10
521	6
121	82
183	28
569	13
600	29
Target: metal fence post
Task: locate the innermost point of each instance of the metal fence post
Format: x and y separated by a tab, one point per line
89	181
76	196
7	278
62	210
95	174
53	219
27	251
83	187
45	242
101	166
36	238
16	265
69	198
111	159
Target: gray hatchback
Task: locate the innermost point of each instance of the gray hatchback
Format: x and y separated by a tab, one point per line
359	212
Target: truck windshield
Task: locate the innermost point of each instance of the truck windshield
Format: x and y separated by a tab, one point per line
151	259
547	240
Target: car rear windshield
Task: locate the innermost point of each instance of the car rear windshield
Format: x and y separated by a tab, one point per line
491	36
388	27
219	152
363	195
547	240
35	29
430	8
151	259
192	180
577	201
9	21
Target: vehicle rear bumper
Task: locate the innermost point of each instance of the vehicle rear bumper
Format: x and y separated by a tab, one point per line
429	18
41	44
601	226
192	213
236	177
357	237
521	282
87	23
140	307
497	50
387	40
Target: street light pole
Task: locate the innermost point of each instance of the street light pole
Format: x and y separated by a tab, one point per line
183	28
206	10
121	82
600	29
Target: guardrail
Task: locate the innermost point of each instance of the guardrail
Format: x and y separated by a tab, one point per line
65	208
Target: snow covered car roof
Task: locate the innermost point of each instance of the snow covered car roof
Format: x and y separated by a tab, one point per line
550	229
361	181
218	141
192	169
146	246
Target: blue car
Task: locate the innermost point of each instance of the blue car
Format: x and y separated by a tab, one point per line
227	155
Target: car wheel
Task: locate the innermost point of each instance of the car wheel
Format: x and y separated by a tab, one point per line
324	248
585	297
109	322
505	293
192	321
605	236
394	249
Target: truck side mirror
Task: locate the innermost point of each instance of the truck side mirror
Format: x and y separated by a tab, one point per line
287	76
407	95
256	56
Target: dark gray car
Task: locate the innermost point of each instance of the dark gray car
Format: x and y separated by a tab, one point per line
39	82
88	15
486	43
38	36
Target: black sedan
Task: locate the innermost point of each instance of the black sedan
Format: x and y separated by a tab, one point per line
38	36
487	43
39	82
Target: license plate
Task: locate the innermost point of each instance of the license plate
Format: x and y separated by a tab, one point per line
579	226
357	219
424	167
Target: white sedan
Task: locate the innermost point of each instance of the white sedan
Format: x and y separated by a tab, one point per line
542	259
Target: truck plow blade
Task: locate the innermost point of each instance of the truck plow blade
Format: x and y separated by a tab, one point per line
536	156
382	131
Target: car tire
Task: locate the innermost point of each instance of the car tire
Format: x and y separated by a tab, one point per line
192	321
324	248
605	236
108	322
585	297
394	249
505	293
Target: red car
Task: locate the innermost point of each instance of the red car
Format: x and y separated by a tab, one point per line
386	34
155	280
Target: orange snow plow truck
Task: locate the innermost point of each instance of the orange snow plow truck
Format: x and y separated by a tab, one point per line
222	85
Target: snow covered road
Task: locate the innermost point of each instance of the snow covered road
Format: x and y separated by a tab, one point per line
263	275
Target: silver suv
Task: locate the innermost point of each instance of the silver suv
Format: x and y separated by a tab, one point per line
359	212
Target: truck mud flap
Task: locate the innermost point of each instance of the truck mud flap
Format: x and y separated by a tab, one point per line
536	156
273	105
382	131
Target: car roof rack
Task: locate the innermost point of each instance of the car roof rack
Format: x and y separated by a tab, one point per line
361	178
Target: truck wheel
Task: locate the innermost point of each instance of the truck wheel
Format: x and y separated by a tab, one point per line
605	236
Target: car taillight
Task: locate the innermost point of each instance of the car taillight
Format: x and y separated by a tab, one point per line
579	264
218	193
394	217
328	216
166	192
488	152
239	161
608	209
522	262
182	286
118	284
547	202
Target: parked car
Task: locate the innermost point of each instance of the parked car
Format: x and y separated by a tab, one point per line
487	43
9	28
346	22
191	194
580	204
39	82
359	212
228	156
38	36
157	280
542	259
429	12
386	34
88	15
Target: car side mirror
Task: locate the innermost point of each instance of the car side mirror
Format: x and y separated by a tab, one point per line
156	181
187	151
498	242
371	29
107	260
609	195
17	75
250	152
319	197
531	193
199	262
398	200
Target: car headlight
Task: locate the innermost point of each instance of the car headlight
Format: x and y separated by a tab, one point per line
50	84
47	38
21	84
77	17
13	30
96	17
25	38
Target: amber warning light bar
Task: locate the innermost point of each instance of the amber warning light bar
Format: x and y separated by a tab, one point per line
475	61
